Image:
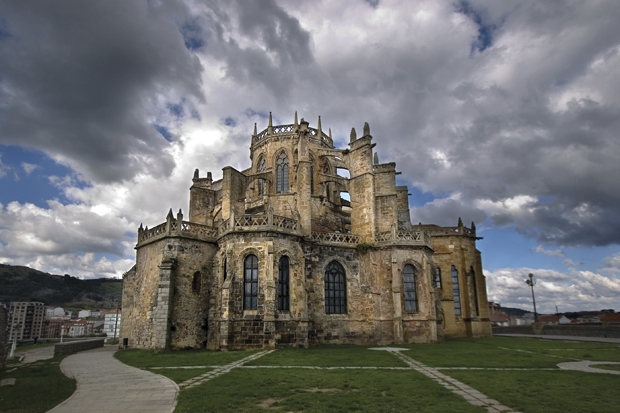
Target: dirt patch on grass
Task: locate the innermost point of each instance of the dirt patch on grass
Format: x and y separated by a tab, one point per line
317	390
266	404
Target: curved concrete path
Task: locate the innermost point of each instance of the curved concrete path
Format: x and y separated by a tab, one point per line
105	385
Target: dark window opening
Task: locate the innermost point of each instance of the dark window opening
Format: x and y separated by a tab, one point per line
225	272
409	280
197	282
261	182
283	284
311	179
335	289
250	283
438	277
456	291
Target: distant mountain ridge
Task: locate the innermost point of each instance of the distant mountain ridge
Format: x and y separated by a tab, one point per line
19	283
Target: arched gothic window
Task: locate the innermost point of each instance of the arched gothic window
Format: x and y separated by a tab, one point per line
456	291
335	289
196	282
282	173
438	277
261	182
283	284
411	296
250	283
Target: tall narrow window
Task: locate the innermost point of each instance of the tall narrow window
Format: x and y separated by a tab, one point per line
474	288
438	277
261	182
250	283
411	298
335	289
225	269
312	178
283	284
196	282
456	291
282	173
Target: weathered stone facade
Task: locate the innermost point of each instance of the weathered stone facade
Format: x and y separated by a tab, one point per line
277	256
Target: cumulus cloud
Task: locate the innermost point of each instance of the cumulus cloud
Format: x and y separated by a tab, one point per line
572	291
552	253
29	167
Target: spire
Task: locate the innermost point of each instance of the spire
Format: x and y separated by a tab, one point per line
366	129
353	135
296	124
460	224
196	174
473	226
169	216
330	134
376	158
209	176
255	129
319	127
270	123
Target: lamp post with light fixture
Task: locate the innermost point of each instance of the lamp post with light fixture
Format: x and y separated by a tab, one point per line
532	283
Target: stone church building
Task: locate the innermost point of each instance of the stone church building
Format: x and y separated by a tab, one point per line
309	245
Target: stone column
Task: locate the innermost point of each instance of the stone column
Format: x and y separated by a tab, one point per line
163	310
396	295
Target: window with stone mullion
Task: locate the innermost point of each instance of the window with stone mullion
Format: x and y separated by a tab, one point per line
456	292
282	173
283	284
250	283
411	298
335	289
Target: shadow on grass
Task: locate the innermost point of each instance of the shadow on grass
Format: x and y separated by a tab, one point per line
38	387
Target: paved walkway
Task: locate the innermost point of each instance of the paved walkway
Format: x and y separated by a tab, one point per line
36	354
105	385
564	338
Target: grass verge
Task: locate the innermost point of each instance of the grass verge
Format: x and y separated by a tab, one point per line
38	387
149	358
244	390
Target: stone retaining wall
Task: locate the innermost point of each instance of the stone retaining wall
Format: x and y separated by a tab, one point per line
74	347
562	330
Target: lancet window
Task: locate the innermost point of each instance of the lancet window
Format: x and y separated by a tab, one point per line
250	283
283	284
411	296
335	289
282	173
456	291
261	182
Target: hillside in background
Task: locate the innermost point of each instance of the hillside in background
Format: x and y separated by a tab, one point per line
517	312
19	283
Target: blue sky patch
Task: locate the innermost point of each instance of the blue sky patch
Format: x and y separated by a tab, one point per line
31	169
486	28
229	122
192	36
164	132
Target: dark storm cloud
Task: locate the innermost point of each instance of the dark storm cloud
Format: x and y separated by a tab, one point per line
83	82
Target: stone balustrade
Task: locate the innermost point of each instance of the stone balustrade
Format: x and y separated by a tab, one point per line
335	238
402	237
288	129
263	222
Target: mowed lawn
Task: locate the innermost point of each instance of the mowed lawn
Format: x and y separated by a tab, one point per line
317	379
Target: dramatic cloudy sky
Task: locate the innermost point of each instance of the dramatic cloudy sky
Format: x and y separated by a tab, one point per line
506	113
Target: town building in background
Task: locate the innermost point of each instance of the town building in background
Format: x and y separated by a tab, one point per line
25	320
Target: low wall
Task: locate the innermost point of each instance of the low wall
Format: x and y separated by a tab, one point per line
75	346
561	330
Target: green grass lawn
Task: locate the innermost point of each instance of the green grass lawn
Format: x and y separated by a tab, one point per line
150	358
38	387
383	390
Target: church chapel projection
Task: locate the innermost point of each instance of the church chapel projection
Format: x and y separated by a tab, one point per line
293	252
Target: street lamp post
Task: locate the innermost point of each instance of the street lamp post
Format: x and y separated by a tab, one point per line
532	283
